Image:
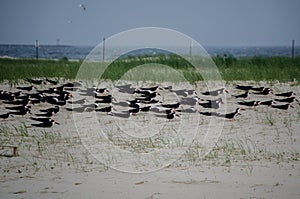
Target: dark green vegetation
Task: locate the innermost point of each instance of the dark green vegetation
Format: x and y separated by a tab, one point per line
259	68
14	69
248	68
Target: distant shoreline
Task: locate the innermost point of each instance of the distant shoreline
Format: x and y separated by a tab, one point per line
73	52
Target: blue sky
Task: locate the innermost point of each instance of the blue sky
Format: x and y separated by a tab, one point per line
210	22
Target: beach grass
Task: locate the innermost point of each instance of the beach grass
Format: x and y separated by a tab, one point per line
259	68
256	68
15	69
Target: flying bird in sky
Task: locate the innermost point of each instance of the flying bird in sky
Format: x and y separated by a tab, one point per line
82	6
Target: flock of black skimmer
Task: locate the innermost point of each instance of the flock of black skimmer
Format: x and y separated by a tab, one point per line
58	96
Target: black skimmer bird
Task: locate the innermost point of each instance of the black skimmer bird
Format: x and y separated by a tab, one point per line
215	104
71	88
54	109
130	103
41	119
172	115
59	89
21	112
105	100
192	101
150	101
176	105
18	108
286	94
46	114
244	95
103	96
26	88
54	101
145	99
209	113
63	96
50	99
4	95
136	105
147	94
107	109
183	92
153	88
145	109
167	88
258	89
88	91
215	92
33	81
168	111
267	103
72	84
102	90
249	103
60	102
244	88
134	101
265	91
48	91
52	81
23	97
282	107
287	100
18	102
16	94
46	124
5	116
36	101
134	110
144	92
169	116
231	115
37	95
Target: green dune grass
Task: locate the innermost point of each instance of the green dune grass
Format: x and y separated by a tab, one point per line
247	68
259	68
15	69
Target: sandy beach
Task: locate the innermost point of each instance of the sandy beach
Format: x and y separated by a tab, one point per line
255	156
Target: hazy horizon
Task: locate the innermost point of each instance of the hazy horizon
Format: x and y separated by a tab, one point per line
211	46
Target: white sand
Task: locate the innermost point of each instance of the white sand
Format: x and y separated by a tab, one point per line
257	156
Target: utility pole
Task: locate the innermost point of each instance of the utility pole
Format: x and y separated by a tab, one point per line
293	48
103	50
190	52
57	41
37	45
